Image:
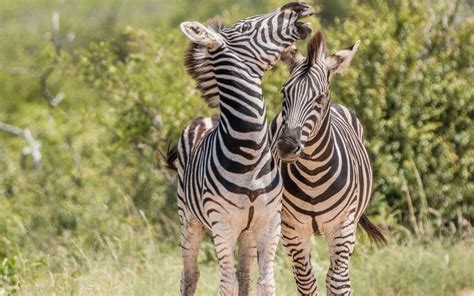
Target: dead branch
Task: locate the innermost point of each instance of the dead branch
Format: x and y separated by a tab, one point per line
53	100
33	147
20	71
56	33
55	39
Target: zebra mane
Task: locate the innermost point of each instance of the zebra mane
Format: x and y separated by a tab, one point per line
198	66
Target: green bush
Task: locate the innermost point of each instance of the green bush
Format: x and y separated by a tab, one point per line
410	84
8	275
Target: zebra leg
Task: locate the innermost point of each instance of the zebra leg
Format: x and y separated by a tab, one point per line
224	240
297	244
341	244
267	243
247	255
192	233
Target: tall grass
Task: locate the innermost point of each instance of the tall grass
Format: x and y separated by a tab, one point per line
414	268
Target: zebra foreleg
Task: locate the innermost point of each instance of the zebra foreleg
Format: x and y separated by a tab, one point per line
247	255
267	243
341	244
224	240
192	233
297	244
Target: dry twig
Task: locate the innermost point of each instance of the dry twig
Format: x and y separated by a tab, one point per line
33	147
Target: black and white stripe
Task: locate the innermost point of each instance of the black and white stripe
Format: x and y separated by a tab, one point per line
228	180
325	168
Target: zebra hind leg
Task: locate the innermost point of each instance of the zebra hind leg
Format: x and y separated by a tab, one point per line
224	240
341	244
267	243
192	233
297	244
247	255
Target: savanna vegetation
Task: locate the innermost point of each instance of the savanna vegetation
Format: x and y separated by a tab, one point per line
92	91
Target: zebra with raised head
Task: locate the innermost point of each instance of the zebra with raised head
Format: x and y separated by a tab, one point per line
326	171
228	181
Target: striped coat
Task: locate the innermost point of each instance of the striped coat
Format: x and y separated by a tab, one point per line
228	180
325	168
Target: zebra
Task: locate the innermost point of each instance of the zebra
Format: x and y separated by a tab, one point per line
326	171
228	180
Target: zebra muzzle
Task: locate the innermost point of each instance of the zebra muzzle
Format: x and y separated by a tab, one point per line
303	10
289	144
304	30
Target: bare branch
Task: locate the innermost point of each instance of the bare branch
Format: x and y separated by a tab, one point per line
11	129
55	39
33	147
19	71
56	31
53	100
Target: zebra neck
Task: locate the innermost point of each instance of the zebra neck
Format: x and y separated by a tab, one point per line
320	146
243	114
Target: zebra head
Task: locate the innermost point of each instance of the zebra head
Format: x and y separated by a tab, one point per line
256	41
306	93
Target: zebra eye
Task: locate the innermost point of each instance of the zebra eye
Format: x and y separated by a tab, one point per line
320	98
245	27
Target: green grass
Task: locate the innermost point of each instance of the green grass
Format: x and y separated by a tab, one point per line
412	269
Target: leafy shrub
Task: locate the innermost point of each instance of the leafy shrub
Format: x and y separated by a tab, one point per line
410	84
8	276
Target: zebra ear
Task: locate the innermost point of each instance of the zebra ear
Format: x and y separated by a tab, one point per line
339	62
200	34
316	48
292	57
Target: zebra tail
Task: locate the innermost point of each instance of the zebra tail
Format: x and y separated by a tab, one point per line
374	232
170	157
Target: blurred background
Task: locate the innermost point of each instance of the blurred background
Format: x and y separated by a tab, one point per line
91	91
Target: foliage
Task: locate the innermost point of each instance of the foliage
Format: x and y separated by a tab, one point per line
411	87
8	275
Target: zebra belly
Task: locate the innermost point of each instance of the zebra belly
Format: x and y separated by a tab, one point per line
238	201
333	210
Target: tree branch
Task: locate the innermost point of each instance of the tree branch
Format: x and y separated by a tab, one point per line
43	77
53	101
55	39
33	147
19	71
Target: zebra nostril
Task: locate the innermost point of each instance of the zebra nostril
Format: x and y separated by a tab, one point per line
293	148
297	149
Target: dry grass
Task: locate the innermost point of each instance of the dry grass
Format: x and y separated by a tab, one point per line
412	269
